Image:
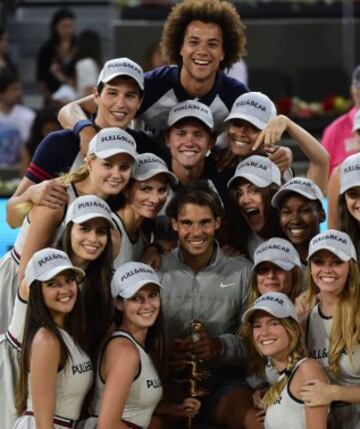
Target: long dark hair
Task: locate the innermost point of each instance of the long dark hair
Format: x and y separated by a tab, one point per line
96	295
38	316
240	230
58	16
347	223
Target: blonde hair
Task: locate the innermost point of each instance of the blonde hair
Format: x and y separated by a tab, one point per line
65	179
345	327
295	291
297	351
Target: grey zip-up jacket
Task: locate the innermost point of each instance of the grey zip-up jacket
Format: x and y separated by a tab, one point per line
216	295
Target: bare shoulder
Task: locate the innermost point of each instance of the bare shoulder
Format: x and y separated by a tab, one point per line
310	369
44	336
122	347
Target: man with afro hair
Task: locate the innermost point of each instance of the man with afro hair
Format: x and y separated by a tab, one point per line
200	39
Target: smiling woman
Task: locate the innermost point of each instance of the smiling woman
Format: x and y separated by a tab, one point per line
50	392
86	239
333	327
133	354
299	202
272	329
144	198
105	173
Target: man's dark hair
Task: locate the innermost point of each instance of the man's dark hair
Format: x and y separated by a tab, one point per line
199	194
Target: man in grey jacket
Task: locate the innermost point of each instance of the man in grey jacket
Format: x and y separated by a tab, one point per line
201	282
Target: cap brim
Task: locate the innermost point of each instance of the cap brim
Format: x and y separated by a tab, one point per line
59	269
284	265
187	116
152	173
104	154
113	76
249	312
281	194
348	186
249	118
256	180
88	216
343	256
137	286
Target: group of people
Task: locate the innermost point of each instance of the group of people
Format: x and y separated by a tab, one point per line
166	201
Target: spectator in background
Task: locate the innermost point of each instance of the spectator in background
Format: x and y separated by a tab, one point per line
338	138
15	119
6	64
55	63
153	57
44	123
88	62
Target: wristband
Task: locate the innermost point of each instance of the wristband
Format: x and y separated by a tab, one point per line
80	125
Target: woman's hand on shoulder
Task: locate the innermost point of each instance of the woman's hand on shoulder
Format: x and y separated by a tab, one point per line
314	389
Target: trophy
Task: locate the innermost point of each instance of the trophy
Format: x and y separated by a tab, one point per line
194	372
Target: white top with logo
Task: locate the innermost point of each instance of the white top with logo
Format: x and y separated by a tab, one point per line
72	383
145	391
287	408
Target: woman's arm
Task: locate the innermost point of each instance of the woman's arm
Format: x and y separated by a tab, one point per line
333	197
316	417
120	365
318	156
316	392
43	224
44	364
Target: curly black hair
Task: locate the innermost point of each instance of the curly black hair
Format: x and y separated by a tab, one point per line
220	12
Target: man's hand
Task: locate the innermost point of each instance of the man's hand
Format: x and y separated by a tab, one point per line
49	193
207	347
181	352
188	408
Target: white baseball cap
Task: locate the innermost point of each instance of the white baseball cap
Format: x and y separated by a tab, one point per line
259	170
191	109
112	141
278	251
356	122
254	107
337	242
148	165
275	303
350	172
88	207
130	277
47	263
122	67
300	185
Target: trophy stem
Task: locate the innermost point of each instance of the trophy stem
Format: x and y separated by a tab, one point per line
189	422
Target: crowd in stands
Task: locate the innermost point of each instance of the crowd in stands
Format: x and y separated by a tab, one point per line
170	269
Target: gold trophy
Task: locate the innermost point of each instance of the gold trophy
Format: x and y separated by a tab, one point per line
195	374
